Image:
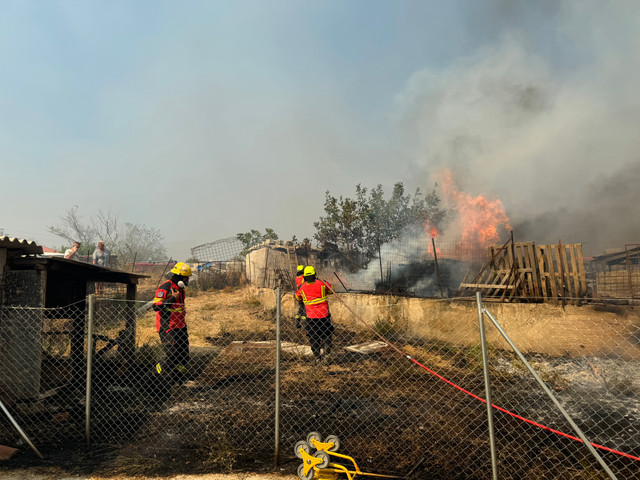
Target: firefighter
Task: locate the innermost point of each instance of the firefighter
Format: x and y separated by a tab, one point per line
170	320
313	293
300	316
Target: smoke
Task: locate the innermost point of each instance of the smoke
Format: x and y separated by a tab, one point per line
407	265
549	131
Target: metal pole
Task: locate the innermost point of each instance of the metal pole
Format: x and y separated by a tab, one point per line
487	389
343	285
276	452
435	257
20	431
550	394
90	347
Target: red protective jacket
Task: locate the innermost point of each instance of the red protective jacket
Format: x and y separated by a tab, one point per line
314	296
169	305
299	281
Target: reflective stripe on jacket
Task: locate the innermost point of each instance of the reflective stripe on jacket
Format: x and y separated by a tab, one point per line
314	296
169	315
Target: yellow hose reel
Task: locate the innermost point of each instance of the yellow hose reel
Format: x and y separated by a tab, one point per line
316	457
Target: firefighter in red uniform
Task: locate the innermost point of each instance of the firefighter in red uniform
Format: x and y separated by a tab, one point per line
300	316
313	293
170	320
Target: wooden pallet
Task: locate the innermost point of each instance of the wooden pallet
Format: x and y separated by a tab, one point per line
529	272
521	257
562	272
497	280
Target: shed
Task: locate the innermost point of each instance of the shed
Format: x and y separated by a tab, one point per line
31	288
274	262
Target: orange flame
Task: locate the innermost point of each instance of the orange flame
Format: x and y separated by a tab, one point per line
479	217
430	230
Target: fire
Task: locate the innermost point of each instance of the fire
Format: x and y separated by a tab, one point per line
430	230
479	218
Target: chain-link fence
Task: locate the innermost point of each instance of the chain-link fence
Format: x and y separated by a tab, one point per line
401	387
42	379
415	265
223	250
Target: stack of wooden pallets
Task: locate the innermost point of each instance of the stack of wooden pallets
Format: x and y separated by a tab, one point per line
526	272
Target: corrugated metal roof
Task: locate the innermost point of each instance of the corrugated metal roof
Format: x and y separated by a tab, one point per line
26	246
619	257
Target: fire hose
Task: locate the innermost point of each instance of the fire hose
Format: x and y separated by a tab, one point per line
449	382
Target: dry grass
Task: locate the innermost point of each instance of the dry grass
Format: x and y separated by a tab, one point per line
210	315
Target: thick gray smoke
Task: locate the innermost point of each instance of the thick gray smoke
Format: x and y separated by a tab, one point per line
549	125
407	265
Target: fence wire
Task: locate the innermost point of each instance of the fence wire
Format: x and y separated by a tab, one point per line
393	414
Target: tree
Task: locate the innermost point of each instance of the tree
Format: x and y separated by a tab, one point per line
126	242
254	237
73	230
343	226
140	242
358	227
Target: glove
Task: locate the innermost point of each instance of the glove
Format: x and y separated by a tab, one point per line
297	321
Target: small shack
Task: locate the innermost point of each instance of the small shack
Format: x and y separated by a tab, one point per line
273	262
35	291
617	273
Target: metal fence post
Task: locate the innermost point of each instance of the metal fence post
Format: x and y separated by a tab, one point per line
90	347
487	388
276	452
20	431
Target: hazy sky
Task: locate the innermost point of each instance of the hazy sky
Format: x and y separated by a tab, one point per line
209	118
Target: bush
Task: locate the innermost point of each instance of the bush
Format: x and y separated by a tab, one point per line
218	279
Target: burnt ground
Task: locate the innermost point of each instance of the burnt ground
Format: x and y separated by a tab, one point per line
390	415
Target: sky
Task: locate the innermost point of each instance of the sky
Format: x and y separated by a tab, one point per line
205	119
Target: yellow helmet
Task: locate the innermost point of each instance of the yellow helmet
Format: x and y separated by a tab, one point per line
181	269
308	271
300	269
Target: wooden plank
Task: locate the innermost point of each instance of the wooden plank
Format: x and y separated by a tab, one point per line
581	271
503	291
518	263
574	272
552	272
525	268
566	278
516	283
558	272
533	261
491	278
510	280
528	257
503	283
487	286
542	271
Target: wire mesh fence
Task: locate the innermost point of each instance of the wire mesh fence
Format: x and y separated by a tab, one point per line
411	401
416	265
42	378
223	250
